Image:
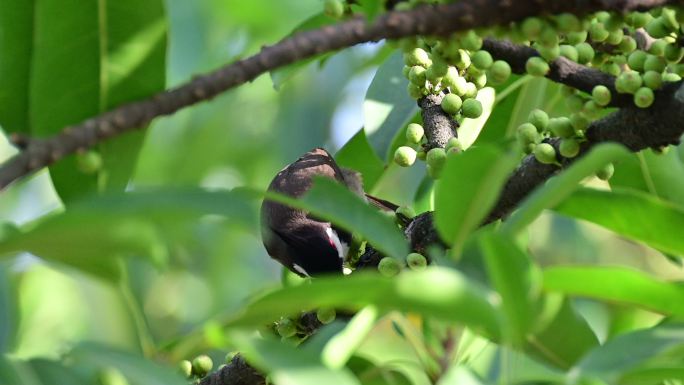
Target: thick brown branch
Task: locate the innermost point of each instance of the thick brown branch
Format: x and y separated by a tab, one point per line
439	126
428	20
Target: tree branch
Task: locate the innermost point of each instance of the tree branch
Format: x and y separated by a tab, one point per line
440	20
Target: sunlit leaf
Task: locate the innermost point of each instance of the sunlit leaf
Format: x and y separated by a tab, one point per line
340	348
438	292
617	285
469	187
357	154
562	185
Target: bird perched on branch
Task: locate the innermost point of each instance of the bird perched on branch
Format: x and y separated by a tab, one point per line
303	243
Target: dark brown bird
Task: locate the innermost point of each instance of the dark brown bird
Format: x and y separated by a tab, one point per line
304	244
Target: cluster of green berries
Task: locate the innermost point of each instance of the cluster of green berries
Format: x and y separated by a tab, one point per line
435	158
389	267
198	368
608	41
539	126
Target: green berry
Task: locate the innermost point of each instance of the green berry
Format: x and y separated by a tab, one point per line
640	19
569	52
615	37
202	364
499	72
527	133
585	53
561	127
471	41
601	95
673	53
414	133
472	108
457	84
462	60
405	156
416	261
644	97
655	63
417	57
549	37
628	82
545	153
591	109
326	315
611	68
414	91
185	368
549	53
389	267
417	75
436	157
657	28
627	45
451	104
567	22
89	162
439	67
606	172
454	143
333	8
652	79
479	80
598	32
636	60
539	118
228	358
532	28
482	60
579	122
569	148
658	47
575	38
613	22
536	66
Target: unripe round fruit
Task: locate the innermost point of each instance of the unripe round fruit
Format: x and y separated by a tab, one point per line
611	68
652	79
326	315
561	127
527	133
406	211
549	53
615	37
673	53
455	145
548	37
585	53
658	47
414	91
417	75
601	95
462	60
657	28
451	104
333	8
439	67
628	82
591	109
89	162
479	80
598	32
471	41
628	44
606	172
575	38
640	19
567	22
202	365
569	148
417	57
416	261
405	156
229	357
545	153
472	108
414	133
185	368
285	327
499	72
569	52
532	28
389	267
579	122
636	60
539	118
644	97
655	63
458	85
470	91
536	66
482	60
436	157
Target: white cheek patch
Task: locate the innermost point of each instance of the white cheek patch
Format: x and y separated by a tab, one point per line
341	247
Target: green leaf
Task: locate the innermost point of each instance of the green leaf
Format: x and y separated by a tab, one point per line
617	285
371	373
561	186
8	316
341	347
533	94
627	352
287	365
136	368
16	39
370	8
121	57
470	185
91	234
388	107
437	292
516	279
659	174
630	213
53	372
335	203
357	154
460	374
470	128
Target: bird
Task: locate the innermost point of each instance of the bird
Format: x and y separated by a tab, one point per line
307	245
